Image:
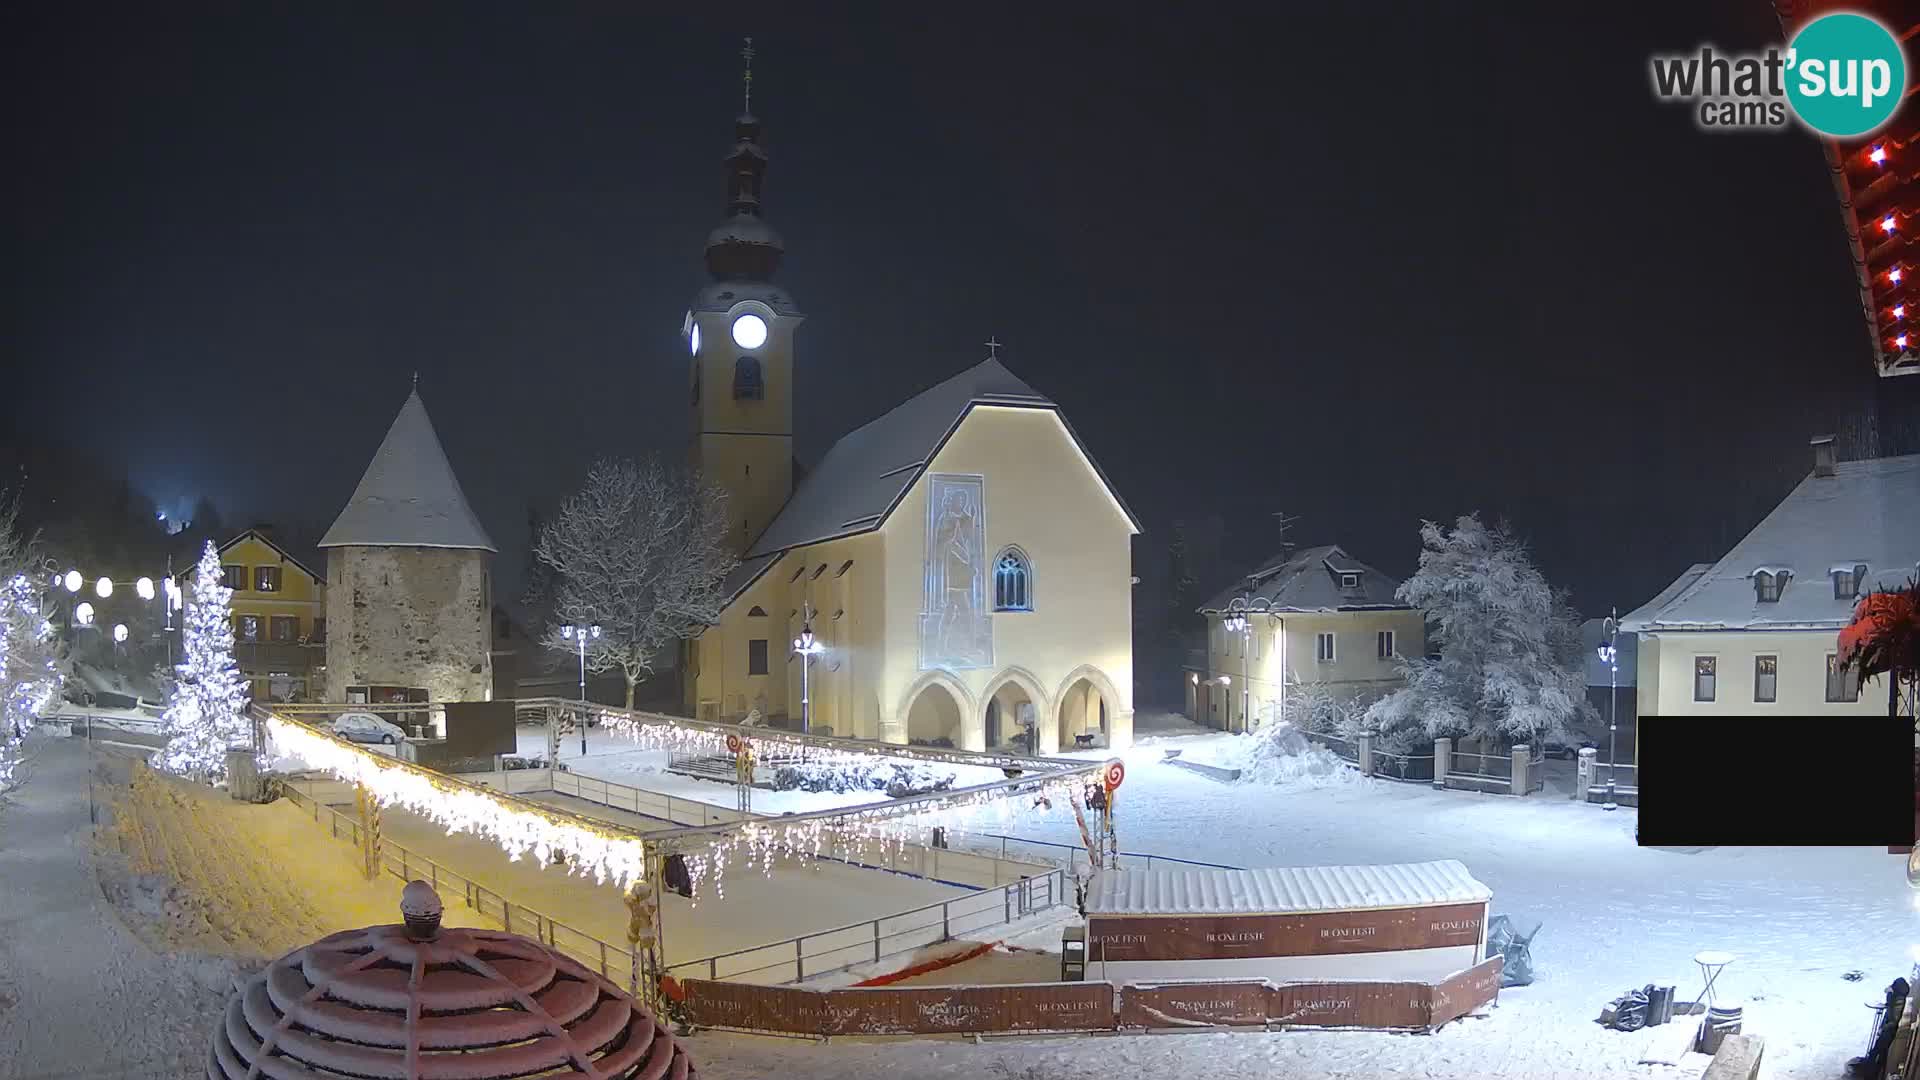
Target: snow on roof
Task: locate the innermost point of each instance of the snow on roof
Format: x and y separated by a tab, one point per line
870	469
1867	508
1308	580
1282	890
722	295
409	496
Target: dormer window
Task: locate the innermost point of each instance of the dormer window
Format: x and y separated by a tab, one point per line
1848	581
1769	584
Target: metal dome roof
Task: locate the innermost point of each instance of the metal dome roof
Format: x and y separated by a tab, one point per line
418	1002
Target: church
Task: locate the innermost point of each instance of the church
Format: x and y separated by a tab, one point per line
960	565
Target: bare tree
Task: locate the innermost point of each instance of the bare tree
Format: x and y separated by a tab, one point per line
640	551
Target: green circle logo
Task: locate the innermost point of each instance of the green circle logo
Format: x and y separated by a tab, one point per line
1845	75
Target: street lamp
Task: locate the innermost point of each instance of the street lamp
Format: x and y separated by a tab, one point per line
83	615
120	633
1610	656
144	588
73	581
1237	622
582	635
808	649
103	588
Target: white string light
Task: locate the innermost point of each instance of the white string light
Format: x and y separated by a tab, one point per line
607	854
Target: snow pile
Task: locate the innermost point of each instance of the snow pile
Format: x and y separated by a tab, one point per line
1278	754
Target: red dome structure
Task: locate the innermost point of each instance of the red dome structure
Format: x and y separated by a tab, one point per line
418	1002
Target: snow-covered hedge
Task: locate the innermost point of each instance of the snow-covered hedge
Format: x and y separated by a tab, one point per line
897	780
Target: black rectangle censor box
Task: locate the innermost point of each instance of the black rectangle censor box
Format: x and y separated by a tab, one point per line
1757	781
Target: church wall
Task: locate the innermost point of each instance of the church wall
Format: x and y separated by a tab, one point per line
1040	494
844	680
415	617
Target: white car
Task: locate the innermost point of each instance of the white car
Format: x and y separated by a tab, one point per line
367	728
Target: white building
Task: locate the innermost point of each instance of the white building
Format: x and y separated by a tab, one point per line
1756	632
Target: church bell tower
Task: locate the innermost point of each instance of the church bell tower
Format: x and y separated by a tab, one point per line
739	334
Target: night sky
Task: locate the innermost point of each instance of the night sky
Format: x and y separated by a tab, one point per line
1418	263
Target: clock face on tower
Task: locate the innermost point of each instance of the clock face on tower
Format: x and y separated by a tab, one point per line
693	339
749	331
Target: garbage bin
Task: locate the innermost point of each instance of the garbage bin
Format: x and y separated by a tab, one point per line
1659	1005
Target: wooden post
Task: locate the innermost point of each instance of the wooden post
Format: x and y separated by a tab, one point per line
643	933
369	830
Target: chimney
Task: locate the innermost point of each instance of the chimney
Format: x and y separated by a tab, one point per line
1823	459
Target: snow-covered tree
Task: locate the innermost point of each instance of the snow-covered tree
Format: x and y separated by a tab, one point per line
1510	666
29	654
207	711
640	551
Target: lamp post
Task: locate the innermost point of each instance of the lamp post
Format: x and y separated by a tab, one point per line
1238	623
581	635
807	648
1610	656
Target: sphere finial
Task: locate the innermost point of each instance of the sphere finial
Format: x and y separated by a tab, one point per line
420	909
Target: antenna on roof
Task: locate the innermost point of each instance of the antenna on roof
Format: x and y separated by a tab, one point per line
1284	522
993	347
747	55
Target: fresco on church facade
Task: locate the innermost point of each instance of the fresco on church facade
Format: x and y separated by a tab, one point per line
956	625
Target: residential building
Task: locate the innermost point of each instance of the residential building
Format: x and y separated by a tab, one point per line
1316	615
279	616
1756	631
410	590
961	562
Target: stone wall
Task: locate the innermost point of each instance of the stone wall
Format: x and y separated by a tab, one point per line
406	616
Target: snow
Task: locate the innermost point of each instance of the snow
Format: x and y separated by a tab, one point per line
1616	917
409	496
1873	506
1278	890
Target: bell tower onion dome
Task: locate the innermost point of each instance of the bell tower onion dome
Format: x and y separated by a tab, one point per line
744	247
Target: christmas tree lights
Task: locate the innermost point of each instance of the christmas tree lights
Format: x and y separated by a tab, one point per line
31	678
206	714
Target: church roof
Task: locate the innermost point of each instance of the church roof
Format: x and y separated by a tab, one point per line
866	474
409	496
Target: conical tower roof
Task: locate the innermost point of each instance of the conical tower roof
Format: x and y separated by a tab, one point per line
409	496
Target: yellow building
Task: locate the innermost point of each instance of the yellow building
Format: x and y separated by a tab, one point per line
961	563
279	617
1313	616
1758	631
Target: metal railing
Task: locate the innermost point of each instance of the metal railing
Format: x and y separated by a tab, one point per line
825	952
1073	856
1416	767
1625	778
612	961
947	866
1496	767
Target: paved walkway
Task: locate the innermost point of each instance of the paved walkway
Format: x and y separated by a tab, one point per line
81	997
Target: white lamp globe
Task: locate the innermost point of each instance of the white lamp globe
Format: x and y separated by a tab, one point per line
749	331
83	614
120	631
103	587
144	587
73	581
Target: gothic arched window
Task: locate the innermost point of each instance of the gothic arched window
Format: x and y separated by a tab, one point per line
1012	581
747	384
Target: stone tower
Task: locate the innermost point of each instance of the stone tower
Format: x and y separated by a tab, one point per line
740	335
409	585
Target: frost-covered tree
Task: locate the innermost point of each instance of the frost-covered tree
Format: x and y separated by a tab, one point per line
207	711
640	551
29	654
1510	666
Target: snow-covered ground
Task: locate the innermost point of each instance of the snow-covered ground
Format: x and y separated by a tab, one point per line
614	757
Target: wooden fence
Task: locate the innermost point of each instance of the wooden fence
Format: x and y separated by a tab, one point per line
1091	1006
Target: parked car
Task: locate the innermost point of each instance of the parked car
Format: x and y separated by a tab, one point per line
367	728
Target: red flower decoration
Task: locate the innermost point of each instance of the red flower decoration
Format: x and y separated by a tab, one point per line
1884	639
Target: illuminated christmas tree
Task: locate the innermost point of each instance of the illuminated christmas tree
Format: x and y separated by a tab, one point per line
207	713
